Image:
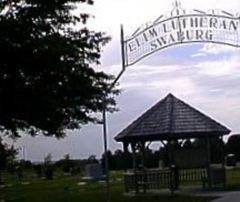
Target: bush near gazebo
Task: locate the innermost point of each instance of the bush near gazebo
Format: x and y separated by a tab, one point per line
233	146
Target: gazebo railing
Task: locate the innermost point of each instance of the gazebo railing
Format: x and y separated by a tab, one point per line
147	179
193	175
164	178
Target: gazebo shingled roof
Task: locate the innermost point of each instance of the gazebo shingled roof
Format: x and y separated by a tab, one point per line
171	118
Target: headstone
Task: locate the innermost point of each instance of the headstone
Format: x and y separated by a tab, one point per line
94	171
160	164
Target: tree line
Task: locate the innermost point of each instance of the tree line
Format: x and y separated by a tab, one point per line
118	160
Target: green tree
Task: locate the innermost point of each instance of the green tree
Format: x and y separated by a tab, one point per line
48	79
6	154
48	167
66	164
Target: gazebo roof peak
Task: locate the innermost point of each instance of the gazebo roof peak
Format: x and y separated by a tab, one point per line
171	118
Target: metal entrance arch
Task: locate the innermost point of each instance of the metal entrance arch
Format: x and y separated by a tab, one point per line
181	26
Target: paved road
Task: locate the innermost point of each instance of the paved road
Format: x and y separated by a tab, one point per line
223	196
230	197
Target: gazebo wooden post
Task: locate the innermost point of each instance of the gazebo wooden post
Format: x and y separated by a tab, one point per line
223	163
208	161
174	168
223	153
133	147
165	146
144	173
134	161
171	163
125	151
142	147
170	152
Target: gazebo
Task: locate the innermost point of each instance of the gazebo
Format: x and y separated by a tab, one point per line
169	121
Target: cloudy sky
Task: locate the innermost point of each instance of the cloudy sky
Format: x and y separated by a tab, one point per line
206	76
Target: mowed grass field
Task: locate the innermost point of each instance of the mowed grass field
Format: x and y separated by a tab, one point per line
70	188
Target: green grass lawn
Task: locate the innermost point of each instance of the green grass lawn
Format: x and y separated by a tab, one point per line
64	189
68	190
233	179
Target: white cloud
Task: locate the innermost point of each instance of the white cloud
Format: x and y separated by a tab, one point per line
214	49
198	55
133	13
179	86
228	66
153	69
